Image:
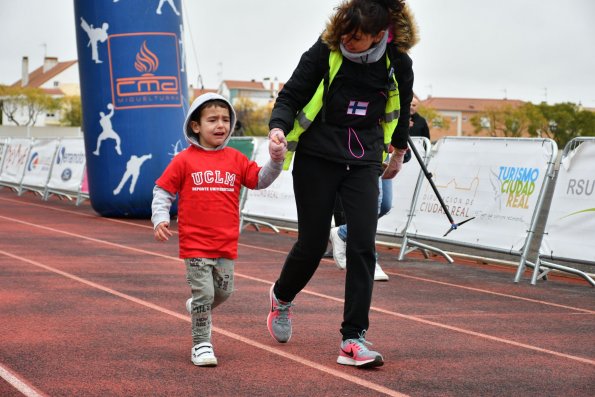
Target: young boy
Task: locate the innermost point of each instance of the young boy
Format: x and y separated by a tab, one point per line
207	177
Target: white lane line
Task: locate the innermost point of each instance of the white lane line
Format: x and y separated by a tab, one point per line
453	328
253	343
484	291
541	302
18	383
373	308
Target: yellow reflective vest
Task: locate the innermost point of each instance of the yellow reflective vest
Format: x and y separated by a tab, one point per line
307	115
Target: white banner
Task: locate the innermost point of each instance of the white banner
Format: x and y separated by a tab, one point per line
276	201
69	166
15	160
404	183
39	163
570	228
3	144
495	180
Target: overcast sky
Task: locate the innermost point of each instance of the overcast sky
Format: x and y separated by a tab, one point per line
533	50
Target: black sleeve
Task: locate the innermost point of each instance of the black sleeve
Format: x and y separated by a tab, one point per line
426	130
404	73
300	87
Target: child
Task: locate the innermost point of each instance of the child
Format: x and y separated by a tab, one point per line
208	176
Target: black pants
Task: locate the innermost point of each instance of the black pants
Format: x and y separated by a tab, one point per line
316	182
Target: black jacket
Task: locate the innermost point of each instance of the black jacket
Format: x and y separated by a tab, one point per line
419	127
336	133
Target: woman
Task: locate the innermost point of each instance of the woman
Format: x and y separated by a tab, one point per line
338	112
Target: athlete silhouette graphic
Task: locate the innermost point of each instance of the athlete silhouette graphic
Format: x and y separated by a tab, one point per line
95	35
132	172
107	131
170	2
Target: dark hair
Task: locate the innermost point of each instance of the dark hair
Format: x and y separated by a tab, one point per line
368	16
195	116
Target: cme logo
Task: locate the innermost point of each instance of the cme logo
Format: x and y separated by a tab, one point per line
144	70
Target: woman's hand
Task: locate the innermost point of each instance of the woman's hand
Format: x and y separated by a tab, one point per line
277	145
395	163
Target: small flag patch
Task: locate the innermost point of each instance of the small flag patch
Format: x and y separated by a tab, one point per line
357	108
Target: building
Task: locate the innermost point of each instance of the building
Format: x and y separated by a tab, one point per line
459	111
261	93
57	79
196	92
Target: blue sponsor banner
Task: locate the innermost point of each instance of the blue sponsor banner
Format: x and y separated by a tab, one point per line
134	96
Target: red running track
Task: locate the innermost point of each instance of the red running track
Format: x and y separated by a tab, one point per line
91	306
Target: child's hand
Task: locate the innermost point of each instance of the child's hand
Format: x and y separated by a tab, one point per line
277	145
162	232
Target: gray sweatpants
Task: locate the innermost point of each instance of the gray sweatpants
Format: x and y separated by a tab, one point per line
211	282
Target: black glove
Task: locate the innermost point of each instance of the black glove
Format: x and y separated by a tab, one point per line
407	156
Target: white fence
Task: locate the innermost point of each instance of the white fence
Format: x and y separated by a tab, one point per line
570	228
405	187
67	177
44	166
500	182
276	202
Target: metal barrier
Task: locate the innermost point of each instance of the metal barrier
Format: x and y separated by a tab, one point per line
14	162
275	203
38	166
44	166
68	171
570	227
499	181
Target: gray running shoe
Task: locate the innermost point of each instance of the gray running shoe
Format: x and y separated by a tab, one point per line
279	319
355	352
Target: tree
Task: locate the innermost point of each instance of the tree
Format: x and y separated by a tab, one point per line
72	114
38	102
564	121
11	101
507	120
33	101
434	119
560	122
254	118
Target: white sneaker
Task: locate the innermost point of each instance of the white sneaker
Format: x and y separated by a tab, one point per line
189	305
379	274
203	355
339	248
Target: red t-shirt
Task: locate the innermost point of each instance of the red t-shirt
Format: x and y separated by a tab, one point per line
208	185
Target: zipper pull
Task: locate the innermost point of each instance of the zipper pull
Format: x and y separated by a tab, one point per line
347	167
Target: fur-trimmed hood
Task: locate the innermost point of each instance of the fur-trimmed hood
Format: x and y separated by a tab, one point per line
405	33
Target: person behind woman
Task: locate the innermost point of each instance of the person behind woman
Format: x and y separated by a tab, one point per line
338	234
418	126
342	102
